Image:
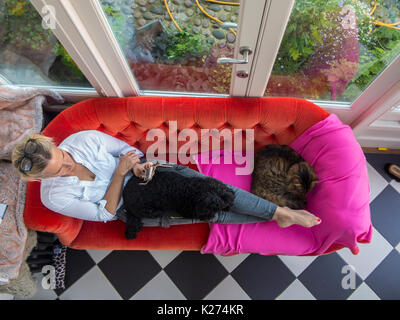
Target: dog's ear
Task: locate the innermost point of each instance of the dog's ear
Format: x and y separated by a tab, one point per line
301	178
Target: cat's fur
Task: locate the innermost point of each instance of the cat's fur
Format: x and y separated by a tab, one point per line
282	176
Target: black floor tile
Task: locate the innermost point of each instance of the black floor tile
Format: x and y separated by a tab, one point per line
263	277
385	279
385	214
324	278
128	271
195	274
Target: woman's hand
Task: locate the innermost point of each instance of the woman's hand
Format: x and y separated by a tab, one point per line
140	168
127	162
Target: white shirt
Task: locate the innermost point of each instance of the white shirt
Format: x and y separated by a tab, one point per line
99	152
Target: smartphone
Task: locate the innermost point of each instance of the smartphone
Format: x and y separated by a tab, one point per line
3	209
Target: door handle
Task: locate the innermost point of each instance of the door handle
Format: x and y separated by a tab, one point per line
244	51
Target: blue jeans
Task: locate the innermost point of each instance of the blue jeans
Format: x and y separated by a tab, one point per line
247	207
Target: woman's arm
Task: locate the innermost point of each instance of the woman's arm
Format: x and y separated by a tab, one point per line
114	192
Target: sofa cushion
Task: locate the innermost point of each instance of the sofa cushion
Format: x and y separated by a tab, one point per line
340	199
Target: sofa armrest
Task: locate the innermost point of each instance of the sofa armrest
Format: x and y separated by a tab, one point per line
38	217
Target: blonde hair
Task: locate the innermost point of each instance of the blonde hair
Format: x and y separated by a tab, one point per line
40	158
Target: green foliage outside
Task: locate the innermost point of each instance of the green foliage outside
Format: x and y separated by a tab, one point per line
311	18
177	47
304	33
67	61
170	46
383	47
23	26
117	21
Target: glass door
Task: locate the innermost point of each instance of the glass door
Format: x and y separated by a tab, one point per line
341	54
165	47
176	46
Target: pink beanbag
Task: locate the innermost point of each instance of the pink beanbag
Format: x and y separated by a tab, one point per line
340	198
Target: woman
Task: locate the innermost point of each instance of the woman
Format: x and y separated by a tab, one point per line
84	177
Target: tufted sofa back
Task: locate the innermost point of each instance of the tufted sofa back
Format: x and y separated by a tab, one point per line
274	120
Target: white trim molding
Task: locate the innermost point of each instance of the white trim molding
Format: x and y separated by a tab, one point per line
251	15
366	105
92	45
275	18
373	128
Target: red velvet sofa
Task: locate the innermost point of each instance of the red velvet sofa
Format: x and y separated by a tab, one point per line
274	120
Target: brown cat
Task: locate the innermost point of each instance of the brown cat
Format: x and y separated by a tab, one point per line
282	176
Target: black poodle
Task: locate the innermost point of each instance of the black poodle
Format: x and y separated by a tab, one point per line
190	197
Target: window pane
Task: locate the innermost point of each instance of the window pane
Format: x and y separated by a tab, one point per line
166	59
333	49
30	54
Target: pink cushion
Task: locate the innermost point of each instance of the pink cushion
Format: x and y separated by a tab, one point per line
340	199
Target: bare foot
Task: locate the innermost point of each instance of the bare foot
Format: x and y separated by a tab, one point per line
286	217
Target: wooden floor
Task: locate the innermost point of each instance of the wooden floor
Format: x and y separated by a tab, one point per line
381	150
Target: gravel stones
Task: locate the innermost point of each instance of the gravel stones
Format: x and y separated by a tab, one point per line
186	13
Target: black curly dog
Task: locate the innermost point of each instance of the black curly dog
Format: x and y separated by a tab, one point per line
194	197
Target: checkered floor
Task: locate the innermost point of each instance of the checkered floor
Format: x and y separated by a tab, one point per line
173	275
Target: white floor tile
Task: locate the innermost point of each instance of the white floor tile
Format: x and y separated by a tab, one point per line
92	286
296	291
297	264
160	287
363	292
164	257
228	289
395	185
376	182
230	263
98	255
370	255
